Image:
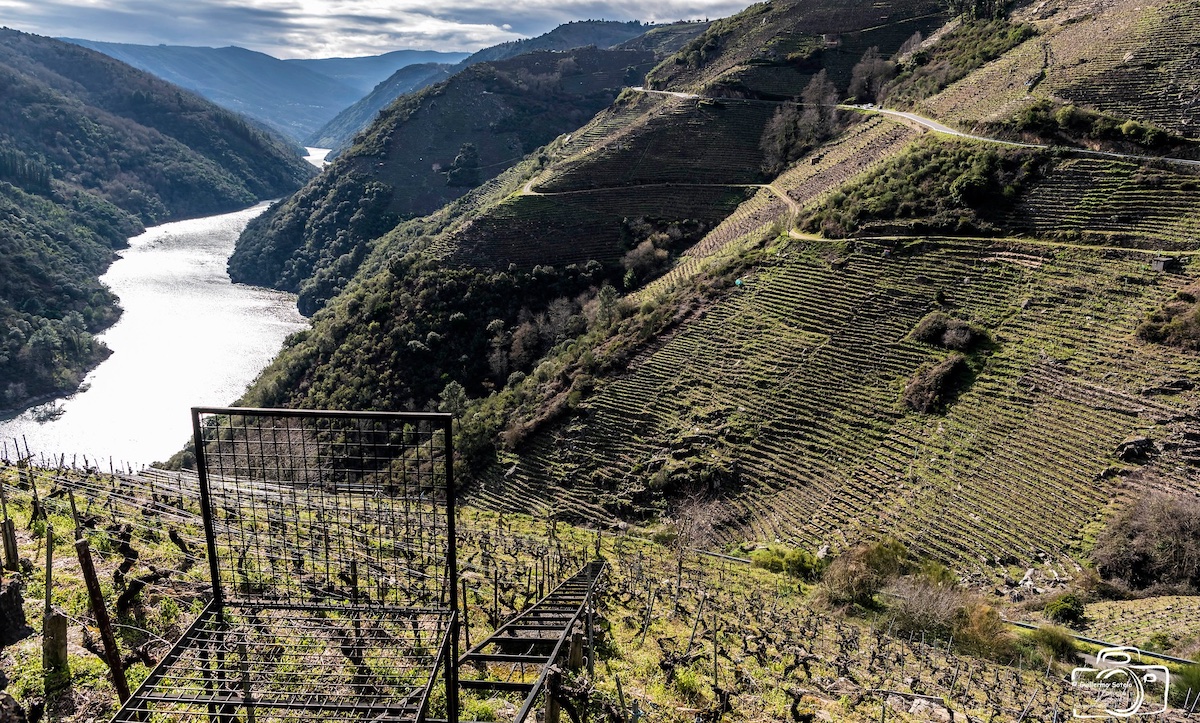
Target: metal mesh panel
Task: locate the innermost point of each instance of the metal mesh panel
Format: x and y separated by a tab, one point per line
319	508
263	665
330	541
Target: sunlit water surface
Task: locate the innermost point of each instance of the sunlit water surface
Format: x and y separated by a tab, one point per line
188	337
316	156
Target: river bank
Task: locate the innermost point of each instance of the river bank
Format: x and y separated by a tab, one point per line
187	336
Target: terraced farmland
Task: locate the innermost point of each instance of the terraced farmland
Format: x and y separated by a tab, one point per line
784	401
1173	619
1125	202
680	141
858	149
1134	60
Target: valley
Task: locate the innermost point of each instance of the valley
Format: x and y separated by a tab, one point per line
859	342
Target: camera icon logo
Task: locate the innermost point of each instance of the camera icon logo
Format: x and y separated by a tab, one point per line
1120	689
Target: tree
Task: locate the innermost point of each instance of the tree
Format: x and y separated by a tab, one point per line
454	399
869	76
464	171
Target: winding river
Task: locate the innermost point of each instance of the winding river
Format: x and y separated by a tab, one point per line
188	337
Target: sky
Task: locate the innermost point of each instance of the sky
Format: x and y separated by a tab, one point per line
333	28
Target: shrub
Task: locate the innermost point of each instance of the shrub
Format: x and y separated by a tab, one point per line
978	630
1185	684
855	576
768	559
1154	542
932	387
796	562
939	329
918	604
1053	642
1176	324
803	565
1066	609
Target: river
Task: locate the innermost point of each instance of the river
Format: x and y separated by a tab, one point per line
188	337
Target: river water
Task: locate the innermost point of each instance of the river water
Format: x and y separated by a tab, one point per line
187	337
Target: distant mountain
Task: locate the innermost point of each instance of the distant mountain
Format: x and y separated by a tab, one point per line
92	149
366	72
601	33
662	40
289	98
338	132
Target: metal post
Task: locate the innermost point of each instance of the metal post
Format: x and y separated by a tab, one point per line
207	512
452	576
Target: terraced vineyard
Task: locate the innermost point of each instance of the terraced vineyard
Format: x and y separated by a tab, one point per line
1134	60
857	150
1171	622
1126	203
784	401
788	657
679	141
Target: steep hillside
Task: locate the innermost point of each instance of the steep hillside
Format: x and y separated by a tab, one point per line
92	150
366	72
423	152
292	99
773	49
663	40
1133	60
838	325
338	133
615	202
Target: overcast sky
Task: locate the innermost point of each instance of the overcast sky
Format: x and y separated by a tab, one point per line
329	28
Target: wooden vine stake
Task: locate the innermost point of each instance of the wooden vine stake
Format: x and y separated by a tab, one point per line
54	623
8	530
112	656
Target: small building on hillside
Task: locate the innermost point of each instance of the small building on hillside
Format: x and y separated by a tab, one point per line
1163	263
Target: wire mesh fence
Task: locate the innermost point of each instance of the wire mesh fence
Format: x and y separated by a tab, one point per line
331	547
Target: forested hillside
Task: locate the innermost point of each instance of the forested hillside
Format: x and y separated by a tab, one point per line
92	151
293	100
341	129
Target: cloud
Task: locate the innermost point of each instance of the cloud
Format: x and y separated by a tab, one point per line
326	28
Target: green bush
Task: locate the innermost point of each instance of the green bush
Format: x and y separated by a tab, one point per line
940	329
1177	323
933	386
1185	684
795	562
768	559
1066	609
800	564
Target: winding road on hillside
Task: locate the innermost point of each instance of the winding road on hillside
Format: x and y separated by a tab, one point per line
932	125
